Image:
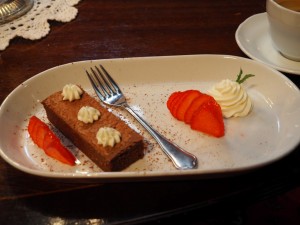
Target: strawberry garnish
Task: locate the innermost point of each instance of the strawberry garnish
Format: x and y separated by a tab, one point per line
195	105
176	102
44	138
186	101
208	119
171	99
199	110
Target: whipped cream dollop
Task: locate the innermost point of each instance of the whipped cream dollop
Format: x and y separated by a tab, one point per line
108	136
88	114
232	98
71	92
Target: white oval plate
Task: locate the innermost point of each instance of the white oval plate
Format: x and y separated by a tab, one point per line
271	131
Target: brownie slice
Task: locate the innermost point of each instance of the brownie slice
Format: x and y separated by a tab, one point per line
63	115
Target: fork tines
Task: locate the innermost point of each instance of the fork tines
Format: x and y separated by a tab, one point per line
100	78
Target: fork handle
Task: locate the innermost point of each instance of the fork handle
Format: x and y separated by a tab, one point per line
180	158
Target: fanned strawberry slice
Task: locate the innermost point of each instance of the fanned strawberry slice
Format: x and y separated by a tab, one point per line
171	99
57	151
208	119
172	102
41	131
176	102
185	103
199	110
44	138
195	105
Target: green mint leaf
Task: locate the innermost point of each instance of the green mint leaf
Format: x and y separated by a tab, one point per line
241	79
246	77
239	75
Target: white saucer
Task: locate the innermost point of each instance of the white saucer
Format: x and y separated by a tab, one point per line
252	36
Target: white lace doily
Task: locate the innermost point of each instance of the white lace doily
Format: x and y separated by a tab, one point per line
34	25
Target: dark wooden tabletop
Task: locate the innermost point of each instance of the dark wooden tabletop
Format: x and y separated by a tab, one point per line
136	28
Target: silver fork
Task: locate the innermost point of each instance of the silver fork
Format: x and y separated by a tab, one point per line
109	92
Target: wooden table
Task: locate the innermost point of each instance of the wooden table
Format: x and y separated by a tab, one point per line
116	29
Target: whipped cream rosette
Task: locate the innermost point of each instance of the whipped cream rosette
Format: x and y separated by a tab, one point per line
232	97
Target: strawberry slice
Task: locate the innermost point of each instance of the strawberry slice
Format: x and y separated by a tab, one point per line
208	119
41	132
57	151
171	99
195	105
176	102
185	103
44	138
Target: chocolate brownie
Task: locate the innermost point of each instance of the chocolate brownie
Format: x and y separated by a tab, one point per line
63	115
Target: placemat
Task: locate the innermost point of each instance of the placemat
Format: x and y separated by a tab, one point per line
34	24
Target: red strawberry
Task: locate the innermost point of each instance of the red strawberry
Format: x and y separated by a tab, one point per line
44	138
171	99
195	105
172	102
177	101
57	151
208	119
185	103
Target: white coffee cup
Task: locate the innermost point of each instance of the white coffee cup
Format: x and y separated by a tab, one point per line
284	20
